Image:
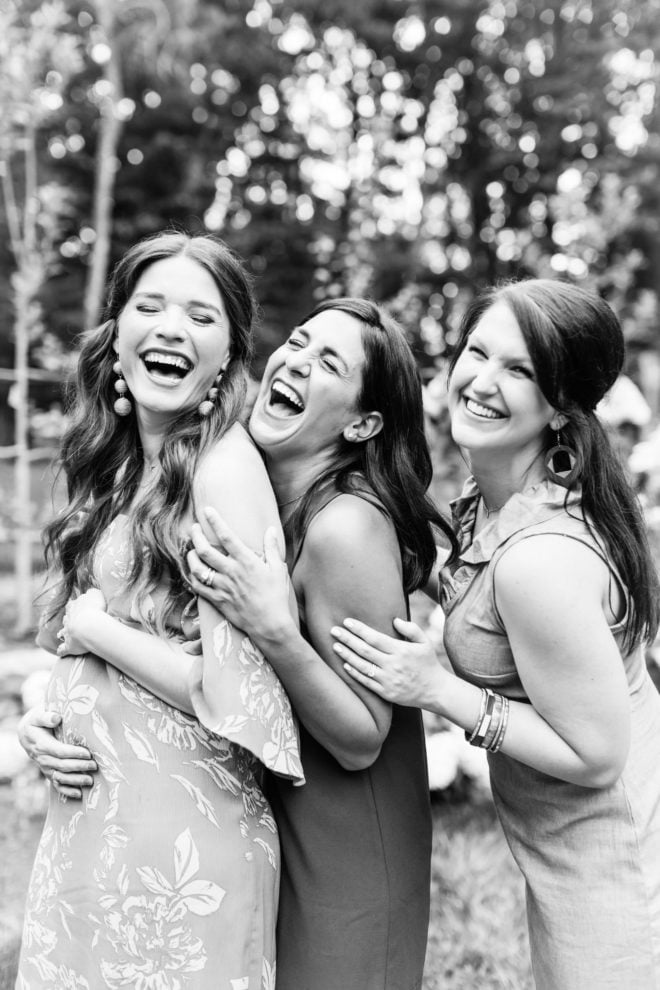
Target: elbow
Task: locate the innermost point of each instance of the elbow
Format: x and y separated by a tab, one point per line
604	771
354	760
602	777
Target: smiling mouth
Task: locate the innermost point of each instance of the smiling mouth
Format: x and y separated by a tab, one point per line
285	400
483	412
172	367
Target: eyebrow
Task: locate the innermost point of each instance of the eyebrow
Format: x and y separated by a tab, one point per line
326	349
512	359
191	302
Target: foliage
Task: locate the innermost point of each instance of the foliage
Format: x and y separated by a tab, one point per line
411	152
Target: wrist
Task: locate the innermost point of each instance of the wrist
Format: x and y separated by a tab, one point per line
273	633
89	628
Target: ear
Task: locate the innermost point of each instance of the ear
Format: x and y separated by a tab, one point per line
364	428
558	422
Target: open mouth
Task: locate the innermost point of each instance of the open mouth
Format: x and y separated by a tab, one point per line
170	367
285	399
483	412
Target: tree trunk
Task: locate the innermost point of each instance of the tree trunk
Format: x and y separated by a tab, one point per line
111	126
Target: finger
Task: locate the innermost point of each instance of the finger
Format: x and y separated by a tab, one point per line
379	640
364	659
192	647
55	764
410	631
226	536
68	792
360	636
56	752
205	554
364	656
273	550
76	780
369	682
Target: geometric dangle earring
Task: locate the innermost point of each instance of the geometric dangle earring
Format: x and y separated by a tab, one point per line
561	464
122	405
207	405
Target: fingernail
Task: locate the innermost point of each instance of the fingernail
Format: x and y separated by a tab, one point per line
349	623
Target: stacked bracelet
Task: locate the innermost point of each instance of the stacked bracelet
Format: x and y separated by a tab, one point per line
488	732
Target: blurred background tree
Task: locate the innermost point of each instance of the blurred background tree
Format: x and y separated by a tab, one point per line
410	150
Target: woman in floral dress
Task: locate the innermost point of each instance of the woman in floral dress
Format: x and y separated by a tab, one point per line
167	876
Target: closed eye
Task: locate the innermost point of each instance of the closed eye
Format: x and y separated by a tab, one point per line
476	350
521	369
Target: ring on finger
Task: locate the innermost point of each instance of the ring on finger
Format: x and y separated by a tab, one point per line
207	578
372	670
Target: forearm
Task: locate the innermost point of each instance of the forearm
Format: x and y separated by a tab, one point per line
331	711
152	661
530	739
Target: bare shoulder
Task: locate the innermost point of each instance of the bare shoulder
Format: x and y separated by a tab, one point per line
353	527
232	478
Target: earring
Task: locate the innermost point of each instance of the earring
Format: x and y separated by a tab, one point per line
207	405
561	464
122	406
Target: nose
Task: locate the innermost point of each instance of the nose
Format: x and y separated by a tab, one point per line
485	381
298	362
171	323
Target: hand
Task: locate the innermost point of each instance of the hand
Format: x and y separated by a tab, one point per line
77	614
69	768
405	672
253	593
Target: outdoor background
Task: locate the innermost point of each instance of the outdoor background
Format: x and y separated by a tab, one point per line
409	150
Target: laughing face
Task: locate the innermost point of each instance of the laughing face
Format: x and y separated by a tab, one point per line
173	338
309	392
495	403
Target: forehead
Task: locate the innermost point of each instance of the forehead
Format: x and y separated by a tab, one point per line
499	327
339	332
182	277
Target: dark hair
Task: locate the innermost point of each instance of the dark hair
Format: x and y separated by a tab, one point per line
576	346
395	464
101	453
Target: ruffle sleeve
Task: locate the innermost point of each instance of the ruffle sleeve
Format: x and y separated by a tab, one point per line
236	694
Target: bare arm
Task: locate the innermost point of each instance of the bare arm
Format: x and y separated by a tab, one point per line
577	726
350	559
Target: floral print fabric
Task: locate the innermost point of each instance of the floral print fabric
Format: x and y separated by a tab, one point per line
166	875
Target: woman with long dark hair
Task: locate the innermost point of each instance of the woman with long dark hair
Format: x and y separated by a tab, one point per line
168	875
548	607
339	421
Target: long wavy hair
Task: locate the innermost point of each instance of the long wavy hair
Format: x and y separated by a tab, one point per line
576	346
394	466
101	453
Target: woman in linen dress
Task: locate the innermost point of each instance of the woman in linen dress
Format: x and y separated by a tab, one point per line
547	611
167	875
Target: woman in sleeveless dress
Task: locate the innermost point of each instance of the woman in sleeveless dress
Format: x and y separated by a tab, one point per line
339	420
547	611
167	875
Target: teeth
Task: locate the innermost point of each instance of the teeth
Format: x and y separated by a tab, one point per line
279	388
479	410
174	360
